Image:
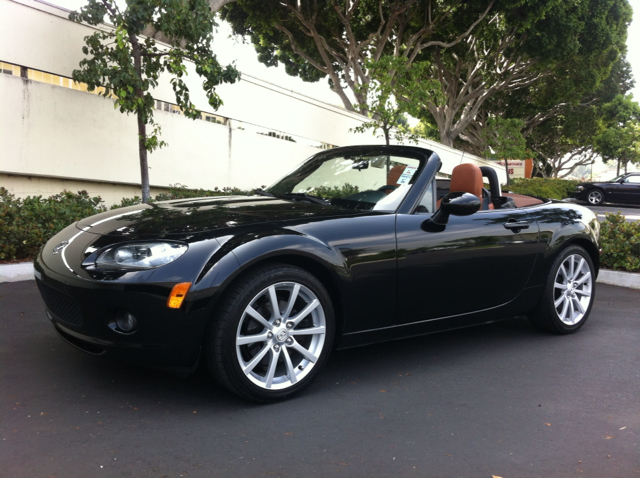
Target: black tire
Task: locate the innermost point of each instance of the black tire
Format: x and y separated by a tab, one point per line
281	352
568	294
595	197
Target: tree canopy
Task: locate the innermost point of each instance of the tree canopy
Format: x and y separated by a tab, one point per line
483	54
395	89
620	139
127	66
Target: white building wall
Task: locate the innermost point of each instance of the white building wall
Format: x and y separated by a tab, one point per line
55	133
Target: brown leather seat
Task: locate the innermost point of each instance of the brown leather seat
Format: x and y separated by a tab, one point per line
394	175
468	178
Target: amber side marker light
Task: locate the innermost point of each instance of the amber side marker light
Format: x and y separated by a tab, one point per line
178	293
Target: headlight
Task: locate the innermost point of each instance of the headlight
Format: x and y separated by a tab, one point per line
579	188
140	255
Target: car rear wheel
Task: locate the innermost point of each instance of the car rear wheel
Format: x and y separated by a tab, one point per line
568	295
595	197
273	334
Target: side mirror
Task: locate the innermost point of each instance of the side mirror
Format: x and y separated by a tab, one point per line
457	203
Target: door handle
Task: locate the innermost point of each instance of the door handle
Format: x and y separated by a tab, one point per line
517	225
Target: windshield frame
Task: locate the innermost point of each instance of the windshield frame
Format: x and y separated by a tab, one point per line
313	163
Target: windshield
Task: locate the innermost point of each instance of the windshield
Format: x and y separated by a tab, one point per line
354	181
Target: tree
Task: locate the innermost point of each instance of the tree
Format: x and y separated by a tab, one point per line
127	66
335	38
619	139
477	50
395	89
564	143
504	141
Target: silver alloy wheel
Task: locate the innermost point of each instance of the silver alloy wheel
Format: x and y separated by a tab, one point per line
280	335
595	197
572	289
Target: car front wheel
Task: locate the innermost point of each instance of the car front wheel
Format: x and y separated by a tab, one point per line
273	334
595	197
568	295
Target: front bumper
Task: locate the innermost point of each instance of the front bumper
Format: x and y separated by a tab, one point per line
83	311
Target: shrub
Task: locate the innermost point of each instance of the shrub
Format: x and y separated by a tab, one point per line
178	191
620	242
552	188
26	224
327	192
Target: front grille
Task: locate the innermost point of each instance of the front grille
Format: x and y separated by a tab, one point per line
61	305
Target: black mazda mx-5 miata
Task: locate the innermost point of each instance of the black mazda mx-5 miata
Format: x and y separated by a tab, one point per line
351	248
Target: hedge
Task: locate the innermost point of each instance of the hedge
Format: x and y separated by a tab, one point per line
26	224
620	242
552	188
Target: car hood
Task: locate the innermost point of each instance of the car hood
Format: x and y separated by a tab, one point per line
193	216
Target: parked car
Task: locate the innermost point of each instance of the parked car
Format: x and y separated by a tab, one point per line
351	248
624	189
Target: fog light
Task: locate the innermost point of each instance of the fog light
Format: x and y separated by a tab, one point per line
125	321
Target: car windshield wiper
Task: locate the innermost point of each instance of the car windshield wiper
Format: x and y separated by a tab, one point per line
262	192
304	197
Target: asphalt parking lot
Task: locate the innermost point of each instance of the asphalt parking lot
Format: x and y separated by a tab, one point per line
497	400
631	213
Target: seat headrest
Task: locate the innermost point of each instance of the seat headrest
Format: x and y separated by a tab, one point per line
467	178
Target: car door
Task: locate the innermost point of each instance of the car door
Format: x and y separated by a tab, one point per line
630	189
474	263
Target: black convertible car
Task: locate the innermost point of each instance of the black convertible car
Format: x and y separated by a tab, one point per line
624	189
351	248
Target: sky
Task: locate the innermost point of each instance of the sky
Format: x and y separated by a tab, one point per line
229	49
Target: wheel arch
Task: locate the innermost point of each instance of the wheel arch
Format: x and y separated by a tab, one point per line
588	246
311	264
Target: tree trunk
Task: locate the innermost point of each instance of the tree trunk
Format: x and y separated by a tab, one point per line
506	170
144	164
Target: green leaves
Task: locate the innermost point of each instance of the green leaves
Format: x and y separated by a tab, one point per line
129	66
620	241
396	88
26	224
504	140
620	139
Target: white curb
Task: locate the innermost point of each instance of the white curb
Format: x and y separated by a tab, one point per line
16	272
619	278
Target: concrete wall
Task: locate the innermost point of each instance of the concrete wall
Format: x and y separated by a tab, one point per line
54	137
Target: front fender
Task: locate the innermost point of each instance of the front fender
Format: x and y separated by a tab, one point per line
562	225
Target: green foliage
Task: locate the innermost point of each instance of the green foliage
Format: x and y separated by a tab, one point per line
620	140
26	224
508	58
127	65
396	88
180	191
620	242
566	142
327	192
552	188
503	139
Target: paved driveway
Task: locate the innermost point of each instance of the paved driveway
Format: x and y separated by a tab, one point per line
631	213
501	399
